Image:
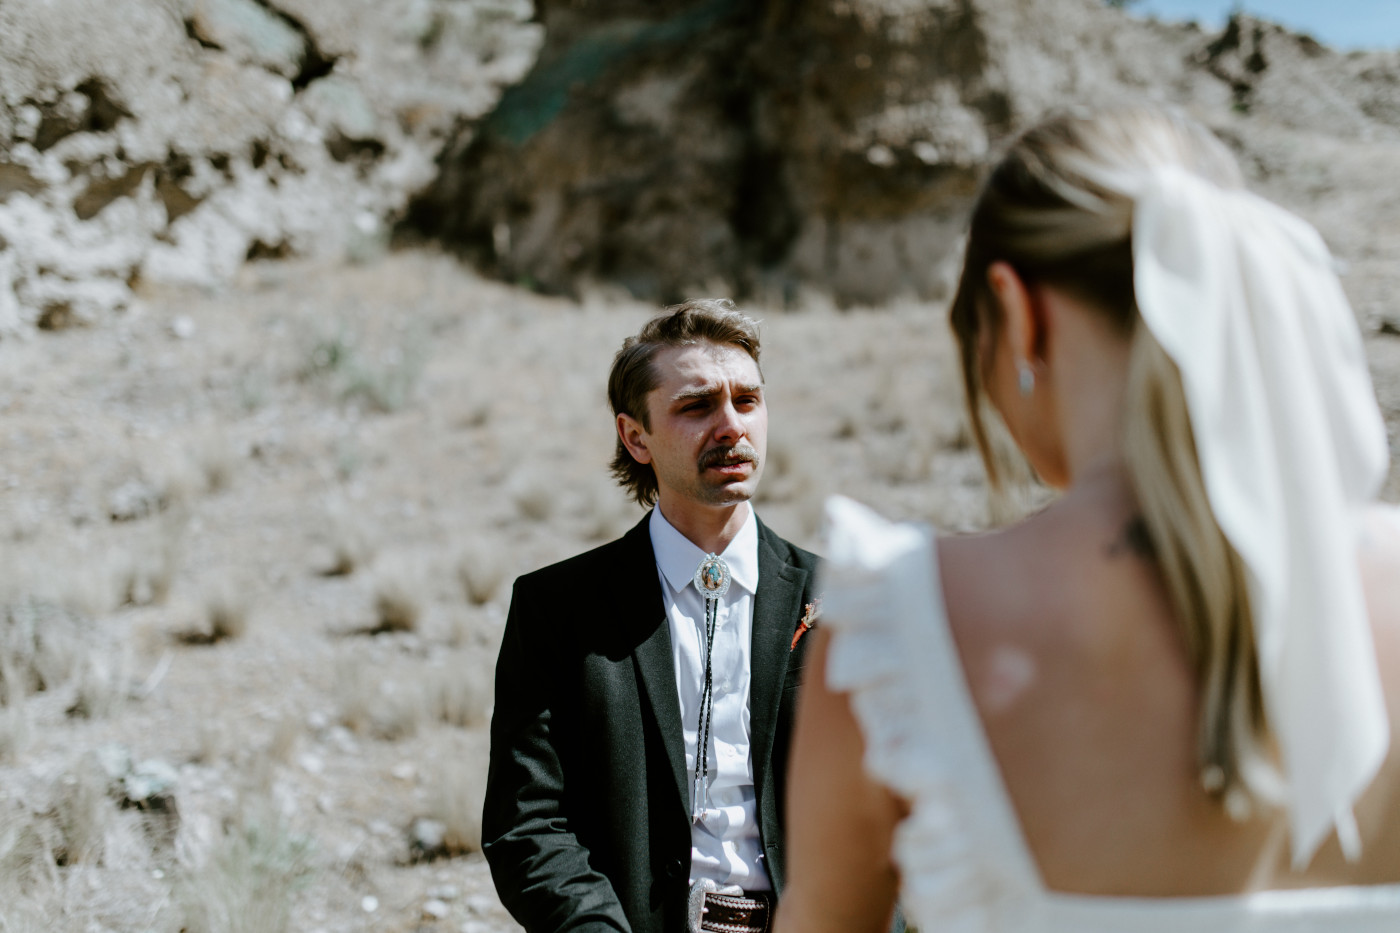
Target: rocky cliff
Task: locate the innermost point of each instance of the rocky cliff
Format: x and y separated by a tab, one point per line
175	139
755	147
768	147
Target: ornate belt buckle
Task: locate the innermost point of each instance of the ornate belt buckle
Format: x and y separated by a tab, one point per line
695	905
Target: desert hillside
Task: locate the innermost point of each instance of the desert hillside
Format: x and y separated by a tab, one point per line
306	308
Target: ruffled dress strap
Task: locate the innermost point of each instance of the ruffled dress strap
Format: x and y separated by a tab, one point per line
963	862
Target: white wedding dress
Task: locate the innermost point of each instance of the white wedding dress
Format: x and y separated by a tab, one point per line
963	861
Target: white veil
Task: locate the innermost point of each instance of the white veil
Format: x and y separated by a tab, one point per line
1242	296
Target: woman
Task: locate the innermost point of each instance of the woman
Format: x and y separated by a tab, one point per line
1172	694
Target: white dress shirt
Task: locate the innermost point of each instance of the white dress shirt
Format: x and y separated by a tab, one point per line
724	842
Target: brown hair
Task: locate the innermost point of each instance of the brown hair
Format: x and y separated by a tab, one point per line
703	320
1058	208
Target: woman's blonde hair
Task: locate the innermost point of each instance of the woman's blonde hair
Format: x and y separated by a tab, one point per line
1058	208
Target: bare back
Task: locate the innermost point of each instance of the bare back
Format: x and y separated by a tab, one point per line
1080	677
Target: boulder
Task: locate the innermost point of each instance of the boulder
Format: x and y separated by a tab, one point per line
250	32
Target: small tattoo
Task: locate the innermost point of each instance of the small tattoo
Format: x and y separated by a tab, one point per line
1134	539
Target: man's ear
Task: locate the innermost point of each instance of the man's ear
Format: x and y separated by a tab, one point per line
633	437
1020	317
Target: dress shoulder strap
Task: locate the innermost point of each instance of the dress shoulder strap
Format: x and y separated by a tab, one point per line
960	852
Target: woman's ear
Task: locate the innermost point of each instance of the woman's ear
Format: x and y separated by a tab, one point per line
1019	321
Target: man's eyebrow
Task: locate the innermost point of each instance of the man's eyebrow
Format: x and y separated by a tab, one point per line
703	392
685	395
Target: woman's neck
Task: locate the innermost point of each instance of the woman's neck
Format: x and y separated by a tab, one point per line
1090	378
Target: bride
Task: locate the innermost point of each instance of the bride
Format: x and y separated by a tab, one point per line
1168	700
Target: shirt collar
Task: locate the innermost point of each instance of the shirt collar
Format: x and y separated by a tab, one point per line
679	558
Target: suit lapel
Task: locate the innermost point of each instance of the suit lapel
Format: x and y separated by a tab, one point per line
655	667
777	609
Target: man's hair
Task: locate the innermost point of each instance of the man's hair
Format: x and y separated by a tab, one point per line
703	320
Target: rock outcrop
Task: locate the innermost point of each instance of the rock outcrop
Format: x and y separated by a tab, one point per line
752	147
774	146
173	140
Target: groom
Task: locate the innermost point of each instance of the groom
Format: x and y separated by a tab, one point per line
645	689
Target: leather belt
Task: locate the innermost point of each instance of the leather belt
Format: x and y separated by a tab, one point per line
712	912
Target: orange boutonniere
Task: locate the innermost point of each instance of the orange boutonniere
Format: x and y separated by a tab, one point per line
809	621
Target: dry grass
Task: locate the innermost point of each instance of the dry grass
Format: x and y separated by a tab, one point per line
399	598
92	588
26	912
284	739
390	706
460	694
24	850
84	815
45	648
455	800
786	477
480	571
351	547
57	849
16	665
16	681
14	732
102	685
398	700
150	575
217	459
248	883
26	864
222	617
476	414
72	828
226	612
535	497
461	627
606	510
388	383
384	380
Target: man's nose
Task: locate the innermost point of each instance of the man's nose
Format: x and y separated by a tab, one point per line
730	425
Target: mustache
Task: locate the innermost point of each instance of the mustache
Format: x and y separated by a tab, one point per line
718	455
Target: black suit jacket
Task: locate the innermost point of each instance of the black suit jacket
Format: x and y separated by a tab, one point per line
586	823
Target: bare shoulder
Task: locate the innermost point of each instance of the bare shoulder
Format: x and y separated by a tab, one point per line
1380	550
1079	675
1379	557
1059	581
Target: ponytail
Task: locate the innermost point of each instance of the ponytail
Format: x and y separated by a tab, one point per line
1205	578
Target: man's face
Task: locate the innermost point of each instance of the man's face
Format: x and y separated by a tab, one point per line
708	430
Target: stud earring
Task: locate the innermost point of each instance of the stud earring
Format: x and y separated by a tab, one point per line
1025	378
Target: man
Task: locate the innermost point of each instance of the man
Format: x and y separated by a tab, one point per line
645	689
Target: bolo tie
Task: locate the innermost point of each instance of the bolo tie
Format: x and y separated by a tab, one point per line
712	580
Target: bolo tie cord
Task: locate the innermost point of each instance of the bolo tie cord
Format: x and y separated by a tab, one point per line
712	581
702	728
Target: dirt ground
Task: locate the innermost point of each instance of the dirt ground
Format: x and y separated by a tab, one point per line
264	537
